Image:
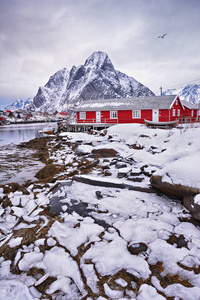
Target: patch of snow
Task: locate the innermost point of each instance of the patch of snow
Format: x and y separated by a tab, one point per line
14	290
197	199
147	292
15	242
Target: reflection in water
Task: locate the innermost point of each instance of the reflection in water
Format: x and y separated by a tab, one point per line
17	134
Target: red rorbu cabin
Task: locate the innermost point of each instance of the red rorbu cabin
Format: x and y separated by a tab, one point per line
190	113
130	110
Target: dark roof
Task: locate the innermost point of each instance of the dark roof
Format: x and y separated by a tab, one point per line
152	102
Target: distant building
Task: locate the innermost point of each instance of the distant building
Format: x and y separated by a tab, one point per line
63	115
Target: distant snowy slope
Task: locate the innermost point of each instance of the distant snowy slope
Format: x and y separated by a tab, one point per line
190	92
19	104
96	79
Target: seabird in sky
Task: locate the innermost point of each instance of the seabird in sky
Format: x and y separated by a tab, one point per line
162	36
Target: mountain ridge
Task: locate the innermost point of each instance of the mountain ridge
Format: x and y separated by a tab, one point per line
19	104
96	78
190	93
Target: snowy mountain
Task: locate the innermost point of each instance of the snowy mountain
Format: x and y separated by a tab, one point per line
19	104
190	92
96	79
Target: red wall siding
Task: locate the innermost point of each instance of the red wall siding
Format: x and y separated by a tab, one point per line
125	116
164	115
176	105
187	112
90	117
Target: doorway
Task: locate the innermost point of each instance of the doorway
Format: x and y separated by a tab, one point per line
98	116
155	117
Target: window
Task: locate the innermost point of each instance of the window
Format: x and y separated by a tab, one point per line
82	115
176	101
136	114
178	112
113	114
192	113
173	112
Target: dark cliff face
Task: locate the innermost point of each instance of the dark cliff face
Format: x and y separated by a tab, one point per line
96	79
39	99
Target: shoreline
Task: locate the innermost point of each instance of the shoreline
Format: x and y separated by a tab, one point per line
56	223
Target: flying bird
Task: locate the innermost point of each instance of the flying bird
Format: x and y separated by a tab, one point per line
162	36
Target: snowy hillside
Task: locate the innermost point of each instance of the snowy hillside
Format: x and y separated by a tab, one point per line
98	230
96	79
190	92
19	104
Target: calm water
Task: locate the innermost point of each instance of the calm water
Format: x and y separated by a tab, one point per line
15	134
17	164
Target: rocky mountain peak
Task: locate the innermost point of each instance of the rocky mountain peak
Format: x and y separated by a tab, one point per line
99	60
97	78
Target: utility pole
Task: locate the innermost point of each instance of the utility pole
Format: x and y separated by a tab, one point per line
161	90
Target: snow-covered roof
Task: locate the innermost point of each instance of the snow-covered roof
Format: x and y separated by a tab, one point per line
189	104
157	102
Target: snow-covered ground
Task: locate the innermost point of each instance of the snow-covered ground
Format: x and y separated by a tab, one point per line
106	242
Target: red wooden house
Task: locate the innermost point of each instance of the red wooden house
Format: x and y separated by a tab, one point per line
130	110
190	113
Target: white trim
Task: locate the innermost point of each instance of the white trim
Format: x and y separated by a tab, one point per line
82	115
113	114
136	114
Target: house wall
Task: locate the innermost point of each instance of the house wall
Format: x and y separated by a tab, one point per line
125	116
176	105
187	113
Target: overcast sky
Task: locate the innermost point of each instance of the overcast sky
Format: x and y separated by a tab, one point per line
38	38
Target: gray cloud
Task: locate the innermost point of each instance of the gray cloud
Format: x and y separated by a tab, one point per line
37	38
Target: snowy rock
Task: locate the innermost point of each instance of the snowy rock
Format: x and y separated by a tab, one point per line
113	294
149	292
123	172
105	152
177	190
99	194
120	165
83	150
192	205
137	248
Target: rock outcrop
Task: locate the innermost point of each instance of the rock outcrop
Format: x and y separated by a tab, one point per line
180	191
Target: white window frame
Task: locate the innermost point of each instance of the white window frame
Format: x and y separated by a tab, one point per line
136	114
173	112
82	115
178	112
113	114
192	113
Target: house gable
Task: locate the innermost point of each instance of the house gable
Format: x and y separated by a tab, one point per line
177	102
